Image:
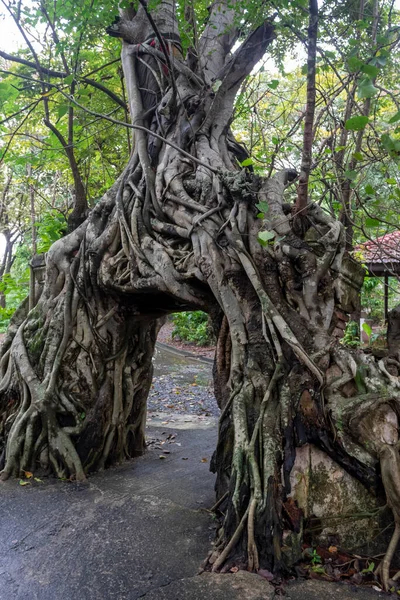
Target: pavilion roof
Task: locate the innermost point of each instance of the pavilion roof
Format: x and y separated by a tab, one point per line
385	250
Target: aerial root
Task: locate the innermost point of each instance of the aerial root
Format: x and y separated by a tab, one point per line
24	446
384	565
252	552
232	543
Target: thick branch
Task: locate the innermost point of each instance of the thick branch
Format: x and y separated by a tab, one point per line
302	190
218	37
235	71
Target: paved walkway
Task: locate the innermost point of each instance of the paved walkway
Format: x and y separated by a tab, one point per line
136	531
127	531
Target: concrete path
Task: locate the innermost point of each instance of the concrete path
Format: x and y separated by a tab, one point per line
136	531
126	532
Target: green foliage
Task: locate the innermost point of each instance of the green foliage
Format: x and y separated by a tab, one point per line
373	294
51	227
192	327
15	288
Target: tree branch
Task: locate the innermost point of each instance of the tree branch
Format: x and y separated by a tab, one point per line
302	190
241	64
217	38
63	75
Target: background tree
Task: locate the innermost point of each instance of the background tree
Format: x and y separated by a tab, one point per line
179	230
64	56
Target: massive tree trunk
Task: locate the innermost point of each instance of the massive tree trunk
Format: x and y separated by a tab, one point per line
178	231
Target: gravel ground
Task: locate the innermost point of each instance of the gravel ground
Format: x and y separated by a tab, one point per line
182	385
167	395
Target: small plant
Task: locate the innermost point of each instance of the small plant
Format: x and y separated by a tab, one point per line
192	327
315	558
316	563
351	335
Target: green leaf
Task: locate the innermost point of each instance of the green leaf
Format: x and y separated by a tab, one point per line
367	329
266	236
370	568
350	175
395	118
263	206
370	70
369	190
62	110
273	84
275	140
370	222
366	89
354	64
391	181
68	80
387	142
247	162
358	156
381	60
356	123
304	69
22	482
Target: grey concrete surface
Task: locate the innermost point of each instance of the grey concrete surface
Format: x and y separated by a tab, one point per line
247	586
127	531
136	531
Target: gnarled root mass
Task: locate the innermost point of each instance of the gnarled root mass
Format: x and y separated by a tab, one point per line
178	231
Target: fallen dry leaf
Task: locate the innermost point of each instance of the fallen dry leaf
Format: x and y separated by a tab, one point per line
28	474
266	574
22	482
162	456
185	458
204	460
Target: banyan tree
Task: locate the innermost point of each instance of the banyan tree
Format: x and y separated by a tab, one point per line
179	231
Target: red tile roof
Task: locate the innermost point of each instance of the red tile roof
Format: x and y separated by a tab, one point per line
385	249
